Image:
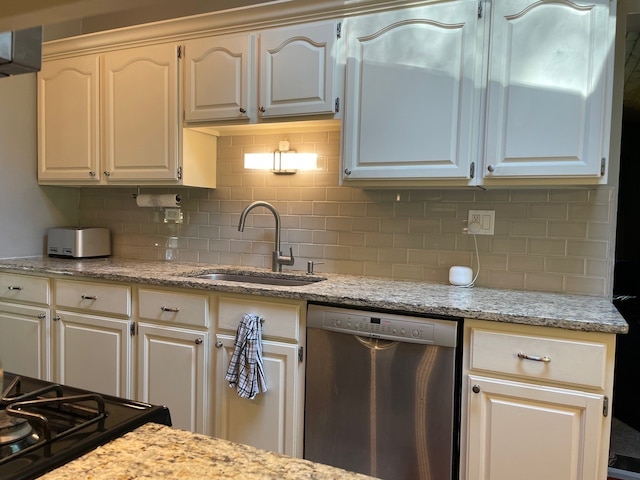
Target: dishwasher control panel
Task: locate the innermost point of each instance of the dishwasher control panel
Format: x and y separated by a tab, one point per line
385	326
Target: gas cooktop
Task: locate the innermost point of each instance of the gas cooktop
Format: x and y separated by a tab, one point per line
44	425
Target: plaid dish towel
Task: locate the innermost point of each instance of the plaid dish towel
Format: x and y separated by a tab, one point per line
246	371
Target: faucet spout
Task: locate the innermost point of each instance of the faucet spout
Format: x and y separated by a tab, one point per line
277	258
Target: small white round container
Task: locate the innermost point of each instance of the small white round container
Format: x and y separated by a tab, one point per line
460	276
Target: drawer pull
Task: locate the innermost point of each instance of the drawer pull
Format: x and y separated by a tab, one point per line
11	287
169	309
524	356
89	297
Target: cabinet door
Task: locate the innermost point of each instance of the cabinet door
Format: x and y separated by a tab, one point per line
411	109
268	421
24	348
92	352
532	432
68	120
171	372
141	113
217	75
549	79
297	70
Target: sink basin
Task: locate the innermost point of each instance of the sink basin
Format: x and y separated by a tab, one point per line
265	280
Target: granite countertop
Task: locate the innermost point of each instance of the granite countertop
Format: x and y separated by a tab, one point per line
574	312
158	451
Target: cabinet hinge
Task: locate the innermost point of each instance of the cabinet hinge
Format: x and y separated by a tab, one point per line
337	106
339	30
472	169
179	173
605	406
179	51
479	8
133	329
301	354
603	163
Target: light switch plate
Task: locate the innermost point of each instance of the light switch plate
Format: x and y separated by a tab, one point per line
481	222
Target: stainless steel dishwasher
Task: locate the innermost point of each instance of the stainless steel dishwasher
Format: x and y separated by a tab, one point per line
382	395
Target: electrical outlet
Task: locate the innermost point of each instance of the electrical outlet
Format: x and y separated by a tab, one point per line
481	222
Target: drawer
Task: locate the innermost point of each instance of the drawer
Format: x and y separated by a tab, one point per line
570	361
94	297
280	320
25	288
174	307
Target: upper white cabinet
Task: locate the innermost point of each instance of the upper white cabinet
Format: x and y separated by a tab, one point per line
279	72
411	94
68	120
513	92
218	78
140	90
114	118
297	70
549	88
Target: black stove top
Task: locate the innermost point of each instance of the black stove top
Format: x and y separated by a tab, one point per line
45	425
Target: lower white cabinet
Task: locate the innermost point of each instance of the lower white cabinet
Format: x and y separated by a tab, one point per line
172	372
273	420
149	344
24	345
91	336
535	403
92	352
172	354
24	324
266	421
530	432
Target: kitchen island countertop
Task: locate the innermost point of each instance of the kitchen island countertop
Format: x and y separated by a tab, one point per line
158	451
573	312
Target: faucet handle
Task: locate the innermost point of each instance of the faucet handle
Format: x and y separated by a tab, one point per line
284	260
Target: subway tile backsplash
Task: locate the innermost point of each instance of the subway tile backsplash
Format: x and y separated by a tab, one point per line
558	240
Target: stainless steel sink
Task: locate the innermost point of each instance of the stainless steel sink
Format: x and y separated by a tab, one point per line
265	280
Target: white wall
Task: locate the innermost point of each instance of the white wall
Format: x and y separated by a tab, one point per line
26	210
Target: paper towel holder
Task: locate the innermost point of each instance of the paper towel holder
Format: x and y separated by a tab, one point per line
135	195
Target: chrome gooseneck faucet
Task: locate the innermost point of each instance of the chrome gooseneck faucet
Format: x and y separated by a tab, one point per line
277	259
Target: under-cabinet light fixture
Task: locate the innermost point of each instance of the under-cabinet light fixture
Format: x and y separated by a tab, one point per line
282	161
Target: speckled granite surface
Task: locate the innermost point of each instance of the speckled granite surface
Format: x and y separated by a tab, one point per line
575	312
156	451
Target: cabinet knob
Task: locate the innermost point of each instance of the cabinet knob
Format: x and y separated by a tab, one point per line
56	318
107	174
491	168
219	344
92	174
476	389
347	171
262	109
11	287
42	315
199	341
242	110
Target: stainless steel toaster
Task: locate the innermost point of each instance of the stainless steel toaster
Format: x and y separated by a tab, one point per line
78	242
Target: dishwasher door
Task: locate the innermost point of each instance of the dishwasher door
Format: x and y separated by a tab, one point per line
379	407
